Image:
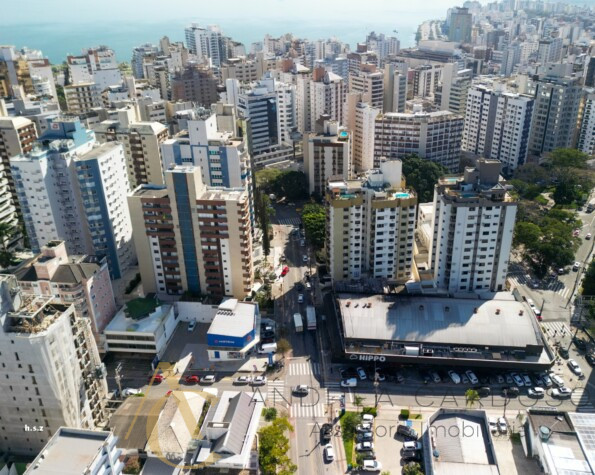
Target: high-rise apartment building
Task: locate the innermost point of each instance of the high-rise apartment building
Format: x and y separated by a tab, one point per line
459	25
361	123
206	43
17	136
550	50
199	238
327	153
498	125
195	83
371	225
141	53
435	136
82	97
82	280
26	69
395	87
95	65
323	94
270	106
451	94
142	148
424	80
556	116
586	140
51	374
473	223
104	186
369	83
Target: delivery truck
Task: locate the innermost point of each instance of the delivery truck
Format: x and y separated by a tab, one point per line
311	317
299	324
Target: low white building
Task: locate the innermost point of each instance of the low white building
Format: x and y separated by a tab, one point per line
78	452
141	328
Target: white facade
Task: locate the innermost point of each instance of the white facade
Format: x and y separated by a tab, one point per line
51	374
318	97
370	85
498	125
96	65
206	43
473	225
395	88
363	137
586	141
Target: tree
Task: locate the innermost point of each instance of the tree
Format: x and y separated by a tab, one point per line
526	234
266	178
567	158
589	282
358	401
314	219
283	346
471	397
349	423
274	445
422	175
293	185
532	173
412	468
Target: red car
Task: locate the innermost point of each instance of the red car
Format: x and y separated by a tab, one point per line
285	271
158	378
192	379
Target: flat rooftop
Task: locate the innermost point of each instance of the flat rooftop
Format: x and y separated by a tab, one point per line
463	445
233	318
69	451
149	324
457	321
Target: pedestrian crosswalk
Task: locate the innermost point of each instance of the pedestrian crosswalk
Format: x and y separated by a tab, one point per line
518	279
334	390
277	387
304	369
556	328
581	400
290	221
304	409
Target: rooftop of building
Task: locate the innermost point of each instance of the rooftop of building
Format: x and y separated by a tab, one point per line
143	315
568	448
98	151
32	314
500	322
73	272
142	127
69	452
234	318
410	116
150	191
460	443
223	194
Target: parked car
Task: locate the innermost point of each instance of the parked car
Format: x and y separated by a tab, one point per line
508	379
285	271
500	379
412	445
349	383
365	437
563	352
208	379
371	466
193	379
472	378
547	381
364	446
435	377
588	236
329	452
502	425
305	258
191	326
561	393
576	266
518	380
367	418
361	373
579	343
536	392
454	377
259	381
326	431
493	422
157	378
131	392
366	427
557	380
302	242
575	368
527	380
511	391
407	432
242	380
300	390
411	455
483	391
300	298
590	357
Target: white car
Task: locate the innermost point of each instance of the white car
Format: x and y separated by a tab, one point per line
242	380
557	380
131	391
308	285
361	373
366	427
575	368
191	326
471	375
367	419
454	377
576	266
329	452
371	466
502	425
493	424
259	381
536	392
300	298
412	445
531	303
561	393
208	379
364	446
588	236
349	383
546	380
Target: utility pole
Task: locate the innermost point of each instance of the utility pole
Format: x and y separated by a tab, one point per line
118	378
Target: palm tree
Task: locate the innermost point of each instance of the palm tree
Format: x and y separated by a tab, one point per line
471	397
358	400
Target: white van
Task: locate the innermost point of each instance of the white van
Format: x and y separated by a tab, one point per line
368	418
267	348
349	383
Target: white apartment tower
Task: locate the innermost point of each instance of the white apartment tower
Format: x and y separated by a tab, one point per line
473	223
361	121
206	43
369	83
51	374
395	87
323	94
371	225
586	140
498	125
95	65
326	153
